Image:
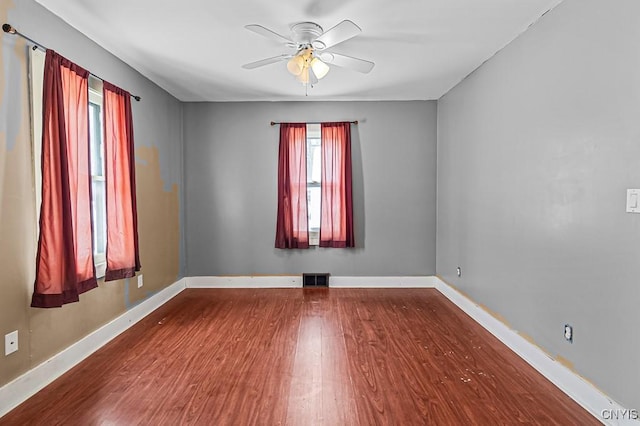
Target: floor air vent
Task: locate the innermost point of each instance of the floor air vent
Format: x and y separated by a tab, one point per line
315	280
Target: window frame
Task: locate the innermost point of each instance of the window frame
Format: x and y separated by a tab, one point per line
96	98
314	133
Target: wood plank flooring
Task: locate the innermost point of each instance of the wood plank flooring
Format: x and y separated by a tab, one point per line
302	357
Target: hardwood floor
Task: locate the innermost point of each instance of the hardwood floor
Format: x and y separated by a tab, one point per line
302	357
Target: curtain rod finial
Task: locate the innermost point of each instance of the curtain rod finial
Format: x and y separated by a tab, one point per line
137	98
273	123
8	29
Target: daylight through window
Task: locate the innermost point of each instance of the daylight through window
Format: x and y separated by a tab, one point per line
314	180
98	191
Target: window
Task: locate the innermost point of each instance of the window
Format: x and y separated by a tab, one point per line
88	180
98	202
315	205
314	182
98	191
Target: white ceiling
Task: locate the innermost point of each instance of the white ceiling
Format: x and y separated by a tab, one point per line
194	49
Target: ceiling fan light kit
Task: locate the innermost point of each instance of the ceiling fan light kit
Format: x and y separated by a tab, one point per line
320	69
311	60
304	63
296	65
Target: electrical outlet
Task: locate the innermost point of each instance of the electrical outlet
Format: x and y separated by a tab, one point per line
10	342
568	333
459	271
140	282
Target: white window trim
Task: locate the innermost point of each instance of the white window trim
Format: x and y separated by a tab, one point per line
313	133
36	74
99	259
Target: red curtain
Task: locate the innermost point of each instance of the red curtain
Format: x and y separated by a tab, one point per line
123	258
64	263
336	223
291	227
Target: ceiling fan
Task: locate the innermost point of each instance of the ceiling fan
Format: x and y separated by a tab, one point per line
312	57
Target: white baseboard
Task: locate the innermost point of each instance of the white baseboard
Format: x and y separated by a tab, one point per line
266	281
295	281
581	391
19	390
383	282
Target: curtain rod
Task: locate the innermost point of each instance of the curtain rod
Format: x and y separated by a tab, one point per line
273	123
10	30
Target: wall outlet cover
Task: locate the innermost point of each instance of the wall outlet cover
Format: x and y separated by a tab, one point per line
10	343
568	333
140	281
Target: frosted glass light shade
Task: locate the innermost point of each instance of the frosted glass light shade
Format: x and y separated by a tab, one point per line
296	65
320	69
303	77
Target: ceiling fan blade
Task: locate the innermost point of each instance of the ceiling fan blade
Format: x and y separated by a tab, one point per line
266	32
266	61
345	61
341	32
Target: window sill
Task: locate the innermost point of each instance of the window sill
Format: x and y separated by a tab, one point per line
101	269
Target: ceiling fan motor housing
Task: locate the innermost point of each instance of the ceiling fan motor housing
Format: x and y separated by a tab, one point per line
304	33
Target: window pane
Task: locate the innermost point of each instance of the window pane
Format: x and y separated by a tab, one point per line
313	161
95	126
316	171
98	190
99	216
314	176
313	203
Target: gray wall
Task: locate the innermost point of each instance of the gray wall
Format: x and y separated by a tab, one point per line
535	151
231	159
